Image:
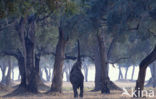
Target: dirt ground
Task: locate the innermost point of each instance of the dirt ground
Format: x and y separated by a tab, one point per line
68	94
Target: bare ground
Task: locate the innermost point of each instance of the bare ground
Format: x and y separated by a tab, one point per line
68	94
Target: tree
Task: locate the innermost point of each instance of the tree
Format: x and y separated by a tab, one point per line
142	71
100	9
64	22
103	61
25	25
120	77
151	81
58	64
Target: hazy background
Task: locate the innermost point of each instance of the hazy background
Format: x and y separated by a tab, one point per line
113	73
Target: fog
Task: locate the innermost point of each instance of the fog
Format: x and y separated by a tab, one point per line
113	73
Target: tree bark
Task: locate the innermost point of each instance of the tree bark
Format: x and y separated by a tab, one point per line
142	72
22	71
8	77
104	65
98	80
3	68
58	64
152	80
26	32
37	69
154	75
30	65
26	60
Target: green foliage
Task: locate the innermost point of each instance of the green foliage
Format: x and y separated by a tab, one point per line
54	4
8	40
81	19
7	7
72	8
46	38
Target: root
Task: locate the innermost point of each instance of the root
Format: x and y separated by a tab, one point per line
111	86
43	87
20	91
149	83
4	88
53	93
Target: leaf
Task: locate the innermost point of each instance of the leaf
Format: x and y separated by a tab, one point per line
72	8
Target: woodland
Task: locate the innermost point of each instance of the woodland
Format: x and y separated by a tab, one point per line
40	37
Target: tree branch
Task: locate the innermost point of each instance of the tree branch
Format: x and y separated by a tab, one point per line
123	58
136	28
154	34
111	46
10	53
43	53
45	17
8	25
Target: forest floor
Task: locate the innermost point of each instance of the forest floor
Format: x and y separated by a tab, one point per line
88	86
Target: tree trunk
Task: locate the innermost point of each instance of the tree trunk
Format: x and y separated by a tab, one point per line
8	77
126	72
152	80
111	47
50	74
104	65
30	65
120	73
37	69
98	80
41	74
58	64
26	32
19	77
3	68
98	69
154	75
67	75
66	71
133	72
12	73
142	72
86	73
47	74
3	75
22	71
